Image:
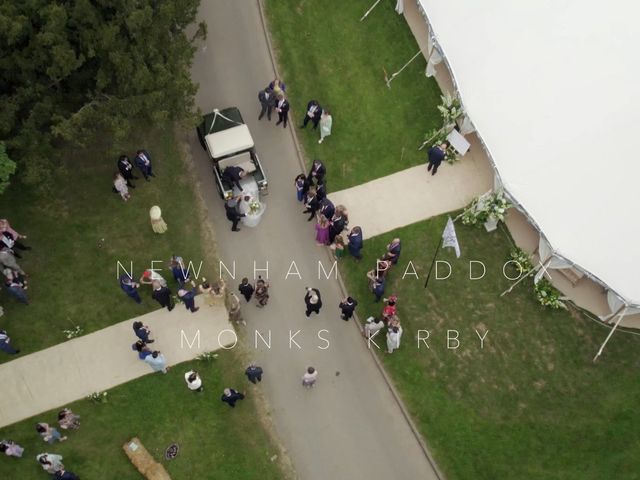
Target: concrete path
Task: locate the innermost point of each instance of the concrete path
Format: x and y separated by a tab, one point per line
104	359
350	425
413	195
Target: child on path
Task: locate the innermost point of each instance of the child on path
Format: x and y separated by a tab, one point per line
309	378
300	183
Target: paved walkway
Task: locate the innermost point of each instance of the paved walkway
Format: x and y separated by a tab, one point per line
413	195
104	359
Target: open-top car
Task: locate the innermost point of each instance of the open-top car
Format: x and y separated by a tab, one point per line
224	135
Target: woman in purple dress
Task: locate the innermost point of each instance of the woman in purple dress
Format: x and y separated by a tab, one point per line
322	231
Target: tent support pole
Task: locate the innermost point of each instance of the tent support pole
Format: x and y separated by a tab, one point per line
606	340
405	66
508	290
369	11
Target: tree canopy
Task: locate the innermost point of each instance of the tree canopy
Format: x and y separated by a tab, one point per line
69	69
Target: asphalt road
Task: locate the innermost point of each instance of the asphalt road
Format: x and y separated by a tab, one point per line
349	426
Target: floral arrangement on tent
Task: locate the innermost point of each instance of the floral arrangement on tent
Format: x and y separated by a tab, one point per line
438	137
450	109
254	207
484	208
548	295
521	261
98	397
73	332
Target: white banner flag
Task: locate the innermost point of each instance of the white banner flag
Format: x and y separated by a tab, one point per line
449	238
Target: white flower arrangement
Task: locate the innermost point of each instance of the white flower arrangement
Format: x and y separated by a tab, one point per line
481	209
74	332
450	109
521	261
98	397
207	356
548	295
254	207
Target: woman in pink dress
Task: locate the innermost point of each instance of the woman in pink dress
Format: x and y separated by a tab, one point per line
322	231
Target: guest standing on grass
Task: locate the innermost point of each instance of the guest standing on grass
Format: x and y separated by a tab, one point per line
143	161
50	462
393	251
282	107
301	186
313	301
130	287
322	231
5	229
162	295
246	289
436	155
393	338
8	259
355	242
150	275
180	273
231	396
254	373
142	331
157	362
317	172
11	449
314	112
310	377
126	170
194	382
326	122
5	344
68	420
189	298
347	307
49	434
120	186
267	99
65	475
16	285
373	325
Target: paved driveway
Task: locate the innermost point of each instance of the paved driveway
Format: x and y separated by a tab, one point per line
349	426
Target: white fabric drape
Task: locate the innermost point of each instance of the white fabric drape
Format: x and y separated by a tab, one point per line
547	258
400	7
615	304
465	125
434	57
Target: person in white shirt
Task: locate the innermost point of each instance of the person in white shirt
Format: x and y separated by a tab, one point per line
50	462
194	382
309	378
120	186
393	338
373	325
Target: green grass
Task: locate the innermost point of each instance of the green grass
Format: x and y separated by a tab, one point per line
215	441
325	53
531	404
72	278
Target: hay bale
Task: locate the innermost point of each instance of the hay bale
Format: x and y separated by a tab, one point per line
143	461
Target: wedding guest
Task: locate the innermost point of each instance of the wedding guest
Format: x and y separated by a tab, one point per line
347	307
326	122
49	434
231	396
338	223
232	211
267	99
355	242
5	228
393	251
142	349
254	373
338	246
246	289
188	297
373	325
126	170
382	268
262	292
15	285
65	475
68	420
321	190
8	259
150	275
390	308
317	172
322	231
314	112
282	107
120	186
310	377
327	208
313	301
233	174
214	293
11	449
162	295
277	86
235	314
143	161
180	273
436	155
50	462
194	382
301	186
393	338
142	331
130	287
5	344
393	321
312	203
157	362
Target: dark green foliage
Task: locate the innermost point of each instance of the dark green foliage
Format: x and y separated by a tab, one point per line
7	168
73	68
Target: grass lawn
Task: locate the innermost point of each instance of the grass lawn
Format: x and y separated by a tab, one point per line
531	404
326	54
72	270
215	441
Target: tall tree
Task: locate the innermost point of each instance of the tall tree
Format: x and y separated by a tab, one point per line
69	69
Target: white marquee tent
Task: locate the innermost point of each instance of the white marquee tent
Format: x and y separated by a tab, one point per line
553	90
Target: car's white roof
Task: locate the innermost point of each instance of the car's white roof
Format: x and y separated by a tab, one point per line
228	141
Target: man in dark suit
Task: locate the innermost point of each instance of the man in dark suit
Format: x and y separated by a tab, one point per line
313	301
436	154
314	112
282	107
267	100
321	190
162	295
233	175
233	215
317	173
126	169
337	226
327	208
143	161
231	396
312	204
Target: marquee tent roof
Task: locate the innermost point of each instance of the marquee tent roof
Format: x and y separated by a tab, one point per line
553	89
